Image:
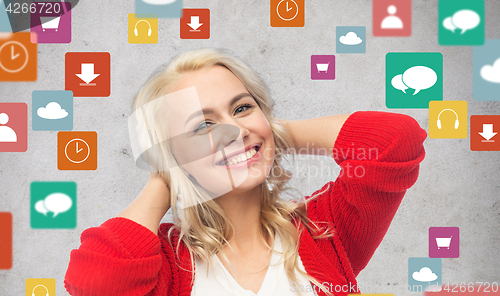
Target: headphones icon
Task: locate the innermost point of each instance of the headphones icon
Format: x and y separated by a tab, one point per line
135	30
439	121
33	292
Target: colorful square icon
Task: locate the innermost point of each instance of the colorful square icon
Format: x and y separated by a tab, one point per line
448	119
391	17
461	22
322	67
142	30
53	205
162	8
412	79
18	57
444	242
5	26
45	287
484	131
351	39
13	127
77	150
287	13
87	74
51	22
52	110
486	71
424	274
5	240
195	23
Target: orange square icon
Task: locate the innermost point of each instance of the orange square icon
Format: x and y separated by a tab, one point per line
18	57
5	240
195	23
484	132
287	13
87	74
77	150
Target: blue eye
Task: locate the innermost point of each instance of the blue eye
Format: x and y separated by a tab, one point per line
246	106
202	126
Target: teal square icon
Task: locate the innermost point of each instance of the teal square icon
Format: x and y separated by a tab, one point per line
162	8
424	274
351	39
53	205
413	79
461	22
52	110
486	68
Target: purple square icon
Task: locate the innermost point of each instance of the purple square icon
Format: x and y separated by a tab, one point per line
50	22
444	242
322	67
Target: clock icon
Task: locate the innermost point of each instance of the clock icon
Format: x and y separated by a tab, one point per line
287	9
77	150
13	56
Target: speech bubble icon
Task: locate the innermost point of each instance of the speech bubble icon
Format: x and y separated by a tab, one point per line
397	83
448	24
57	203
40	208
466	19
419	77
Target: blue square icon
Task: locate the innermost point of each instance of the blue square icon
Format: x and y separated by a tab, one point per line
52	110
424	274
163	8
351	39
486	68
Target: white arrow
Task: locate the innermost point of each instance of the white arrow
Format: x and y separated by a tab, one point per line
195	23
488	132
87	73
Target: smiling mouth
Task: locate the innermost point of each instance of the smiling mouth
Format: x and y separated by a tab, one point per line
243	157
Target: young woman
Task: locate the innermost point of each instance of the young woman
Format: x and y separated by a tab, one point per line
238	237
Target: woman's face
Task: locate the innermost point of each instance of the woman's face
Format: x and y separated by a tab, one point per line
231	128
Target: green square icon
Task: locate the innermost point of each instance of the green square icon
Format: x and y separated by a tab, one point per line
413	79
461	22
53	205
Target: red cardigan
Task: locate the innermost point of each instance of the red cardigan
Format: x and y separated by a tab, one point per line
122	257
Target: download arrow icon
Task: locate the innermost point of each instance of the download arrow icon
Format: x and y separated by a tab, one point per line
87	74
487	132
195	23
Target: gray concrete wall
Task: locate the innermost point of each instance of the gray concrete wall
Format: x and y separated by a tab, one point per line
456	187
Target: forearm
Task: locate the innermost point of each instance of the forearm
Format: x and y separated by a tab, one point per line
315	136
150	206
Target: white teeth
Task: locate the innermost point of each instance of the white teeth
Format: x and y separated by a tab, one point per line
242	157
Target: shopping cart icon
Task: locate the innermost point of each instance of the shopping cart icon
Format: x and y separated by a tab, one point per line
322	67
443	242
50	22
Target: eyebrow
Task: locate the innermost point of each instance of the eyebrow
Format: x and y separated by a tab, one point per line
211	111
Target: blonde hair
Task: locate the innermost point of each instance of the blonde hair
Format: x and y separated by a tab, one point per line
205	229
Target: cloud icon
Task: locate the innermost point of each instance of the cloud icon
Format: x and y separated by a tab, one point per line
424	275
491	73
52	111
159	2
350	39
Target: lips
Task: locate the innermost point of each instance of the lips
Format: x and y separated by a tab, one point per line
248	148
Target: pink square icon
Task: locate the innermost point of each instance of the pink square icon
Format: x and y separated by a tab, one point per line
444	242
13	127
322	67
50	22
391	17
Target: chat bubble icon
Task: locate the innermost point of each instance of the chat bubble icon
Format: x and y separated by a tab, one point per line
397	83
419	77
57	203
448	24
40	208
464	19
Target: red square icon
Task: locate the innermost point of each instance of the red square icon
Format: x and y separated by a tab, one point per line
5	240
88	73
484	130
13	127
391	17
195	24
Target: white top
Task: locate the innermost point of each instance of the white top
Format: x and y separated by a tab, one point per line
221	283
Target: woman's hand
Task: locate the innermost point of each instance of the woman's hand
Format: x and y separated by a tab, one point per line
151	204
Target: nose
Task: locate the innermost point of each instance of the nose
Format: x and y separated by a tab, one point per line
233	131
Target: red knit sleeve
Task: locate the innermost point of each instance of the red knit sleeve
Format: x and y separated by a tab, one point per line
379	154
120	257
